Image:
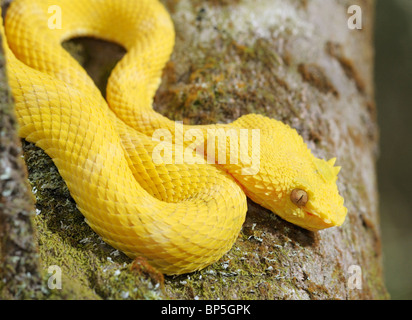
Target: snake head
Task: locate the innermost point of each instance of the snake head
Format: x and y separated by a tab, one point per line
292	182
314	201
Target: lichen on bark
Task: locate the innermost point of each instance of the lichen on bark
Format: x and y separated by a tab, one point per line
20	277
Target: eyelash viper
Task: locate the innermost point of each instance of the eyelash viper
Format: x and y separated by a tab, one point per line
180	217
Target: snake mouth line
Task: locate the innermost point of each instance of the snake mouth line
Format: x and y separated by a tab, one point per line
321	222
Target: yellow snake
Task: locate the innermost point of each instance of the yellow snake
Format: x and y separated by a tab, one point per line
180	216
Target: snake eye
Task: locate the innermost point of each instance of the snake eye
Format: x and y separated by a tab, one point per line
299	197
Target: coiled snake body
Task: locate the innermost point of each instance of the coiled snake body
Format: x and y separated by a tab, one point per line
180	216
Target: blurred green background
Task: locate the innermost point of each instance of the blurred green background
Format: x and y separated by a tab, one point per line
393	83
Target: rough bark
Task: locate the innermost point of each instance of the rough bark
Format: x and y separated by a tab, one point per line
295	61
19	259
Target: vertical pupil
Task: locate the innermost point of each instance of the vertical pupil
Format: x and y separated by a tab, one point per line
299	197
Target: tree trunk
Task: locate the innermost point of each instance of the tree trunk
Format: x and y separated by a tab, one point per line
19	260
295	61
